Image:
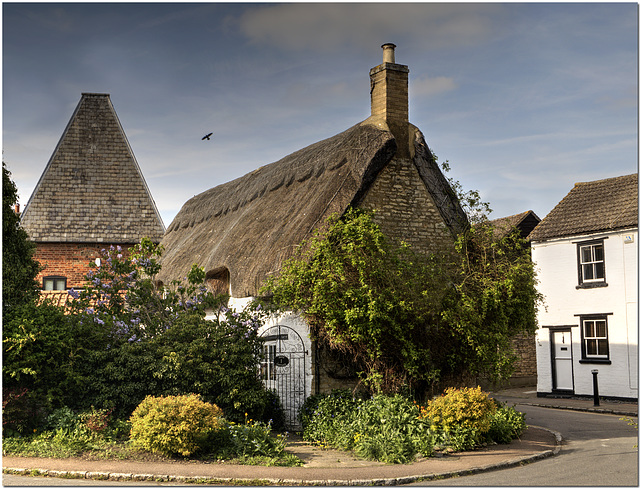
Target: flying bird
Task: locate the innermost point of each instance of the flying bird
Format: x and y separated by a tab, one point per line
208	136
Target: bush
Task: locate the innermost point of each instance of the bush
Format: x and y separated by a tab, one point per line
329	421
216	359
390	429
22	411
173	424
249	439
506	424
462	408
41	350
384	428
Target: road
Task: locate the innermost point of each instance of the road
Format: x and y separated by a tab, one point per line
597	450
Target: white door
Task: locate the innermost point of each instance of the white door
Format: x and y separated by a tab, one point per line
562	360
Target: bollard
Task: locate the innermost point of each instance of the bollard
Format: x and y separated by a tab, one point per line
596	395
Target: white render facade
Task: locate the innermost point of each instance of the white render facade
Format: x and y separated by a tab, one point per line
589	318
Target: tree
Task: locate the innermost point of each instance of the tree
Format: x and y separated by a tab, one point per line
407	319
19	269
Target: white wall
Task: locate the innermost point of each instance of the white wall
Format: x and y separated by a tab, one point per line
557	266
291	397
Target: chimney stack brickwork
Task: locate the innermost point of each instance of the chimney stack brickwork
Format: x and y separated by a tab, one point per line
390	87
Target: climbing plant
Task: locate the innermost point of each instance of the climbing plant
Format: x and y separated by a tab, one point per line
409	319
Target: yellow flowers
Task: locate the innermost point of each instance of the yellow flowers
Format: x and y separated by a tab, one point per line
173	424
461	407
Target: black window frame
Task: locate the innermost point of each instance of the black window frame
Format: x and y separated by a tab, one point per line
55	279
592	283
595	358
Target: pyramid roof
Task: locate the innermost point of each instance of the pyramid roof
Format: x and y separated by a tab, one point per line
92	189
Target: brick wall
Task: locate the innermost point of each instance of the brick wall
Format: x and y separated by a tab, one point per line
404	208
70	260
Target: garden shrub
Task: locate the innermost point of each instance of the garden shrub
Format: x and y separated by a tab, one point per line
174	424
390	429
462	408
506	424
22	411
248	439
305	414
328	422
384	428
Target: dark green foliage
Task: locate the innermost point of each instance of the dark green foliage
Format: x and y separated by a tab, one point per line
506	424
152	341
383	428
42	349
22	411
409	321
215	359
364	296
19	269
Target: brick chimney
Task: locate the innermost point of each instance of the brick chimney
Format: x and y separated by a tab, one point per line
390	96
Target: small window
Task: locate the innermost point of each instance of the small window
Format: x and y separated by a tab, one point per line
54	283
268	363
595	338
591	264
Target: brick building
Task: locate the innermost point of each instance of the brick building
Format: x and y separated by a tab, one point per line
91	195
243	230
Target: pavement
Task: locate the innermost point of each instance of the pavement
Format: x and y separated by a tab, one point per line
330	467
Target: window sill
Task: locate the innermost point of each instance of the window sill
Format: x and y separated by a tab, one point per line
591	285
595	361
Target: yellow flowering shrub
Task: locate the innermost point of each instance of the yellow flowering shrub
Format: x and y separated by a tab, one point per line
173	424
461	408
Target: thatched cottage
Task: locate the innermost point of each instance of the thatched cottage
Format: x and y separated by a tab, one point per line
91	195
243	230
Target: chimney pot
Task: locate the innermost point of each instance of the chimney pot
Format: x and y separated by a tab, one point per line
388	53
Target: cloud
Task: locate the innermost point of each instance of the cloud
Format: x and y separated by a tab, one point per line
327	27
427	87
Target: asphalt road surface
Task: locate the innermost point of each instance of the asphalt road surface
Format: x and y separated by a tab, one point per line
597	450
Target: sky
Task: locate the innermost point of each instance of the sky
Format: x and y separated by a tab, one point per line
523	99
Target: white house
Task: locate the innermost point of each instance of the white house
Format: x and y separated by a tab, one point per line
585	252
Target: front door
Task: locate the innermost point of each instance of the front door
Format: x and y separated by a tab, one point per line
562	360
283	370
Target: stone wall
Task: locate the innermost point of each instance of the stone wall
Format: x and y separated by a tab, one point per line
404	209
526	369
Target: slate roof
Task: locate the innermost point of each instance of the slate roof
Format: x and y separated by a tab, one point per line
92	189
595	206
252	224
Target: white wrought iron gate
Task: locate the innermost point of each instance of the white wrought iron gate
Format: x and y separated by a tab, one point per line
283	369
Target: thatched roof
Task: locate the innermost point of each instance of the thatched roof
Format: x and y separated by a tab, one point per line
92	189
524	222
252	224
595	206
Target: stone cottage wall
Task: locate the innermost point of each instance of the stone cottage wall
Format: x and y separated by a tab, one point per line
525	373
404	208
